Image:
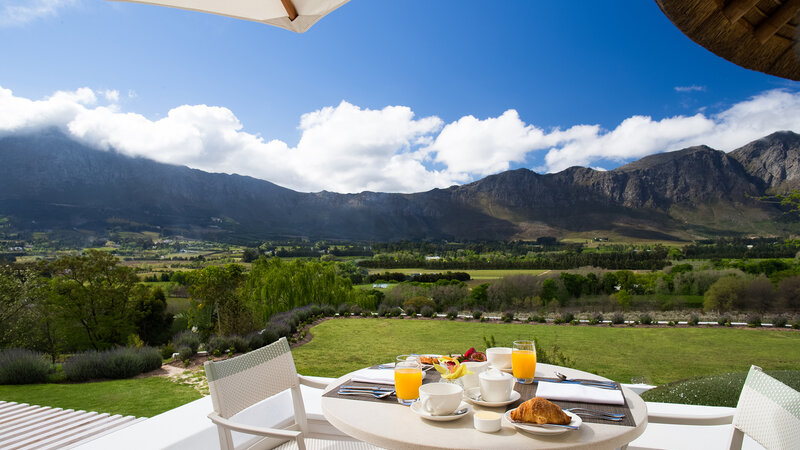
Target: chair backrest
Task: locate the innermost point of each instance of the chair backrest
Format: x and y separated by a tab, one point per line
238	383
768	411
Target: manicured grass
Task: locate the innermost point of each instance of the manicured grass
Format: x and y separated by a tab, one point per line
624	354
716	390
142	397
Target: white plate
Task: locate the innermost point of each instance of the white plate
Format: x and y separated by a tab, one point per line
540	429
416	407
473	394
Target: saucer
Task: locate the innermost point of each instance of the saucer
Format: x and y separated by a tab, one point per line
543	429
473	396
416	407
509	370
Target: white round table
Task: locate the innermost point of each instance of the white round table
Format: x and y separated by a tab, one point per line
394	426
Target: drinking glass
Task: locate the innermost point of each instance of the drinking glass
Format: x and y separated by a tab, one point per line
523	361
407	378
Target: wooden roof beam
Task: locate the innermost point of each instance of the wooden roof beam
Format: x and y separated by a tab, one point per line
779	18
290	9
736	9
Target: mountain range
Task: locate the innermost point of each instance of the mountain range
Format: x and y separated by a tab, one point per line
51	182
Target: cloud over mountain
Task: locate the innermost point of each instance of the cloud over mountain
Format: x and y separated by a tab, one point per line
348	148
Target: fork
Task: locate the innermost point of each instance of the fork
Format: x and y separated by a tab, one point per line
376	394
596	413
597	383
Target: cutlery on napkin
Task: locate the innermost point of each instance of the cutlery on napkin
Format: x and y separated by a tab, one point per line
377	376
579	393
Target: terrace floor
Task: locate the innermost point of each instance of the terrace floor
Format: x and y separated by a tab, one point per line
25	426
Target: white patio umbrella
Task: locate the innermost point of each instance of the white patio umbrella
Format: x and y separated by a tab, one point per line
294	15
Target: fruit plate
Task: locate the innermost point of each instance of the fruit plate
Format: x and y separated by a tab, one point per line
544	429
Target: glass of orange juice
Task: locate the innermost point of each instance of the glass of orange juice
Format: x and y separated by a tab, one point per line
407	378
523	361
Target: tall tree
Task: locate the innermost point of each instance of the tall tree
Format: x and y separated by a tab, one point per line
91	294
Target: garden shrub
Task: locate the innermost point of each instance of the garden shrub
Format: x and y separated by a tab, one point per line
427	311
20	366
541	319
452	313
724	321
269	336
411	311
238	344
328	311
567	317
279	329
123	362
187	339
356	310
383	310
366	314
419	302
753	320
344	310
693	320
779	321
617	319
184	353
595	319
217	345
575	322
395	312
508	316
167	350
255	340
315	310
477	314
796	324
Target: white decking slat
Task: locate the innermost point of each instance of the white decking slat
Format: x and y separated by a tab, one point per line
69	432
40	418
33	440
32	432
8	436
105	432
23	426
11	408
116	422
19	414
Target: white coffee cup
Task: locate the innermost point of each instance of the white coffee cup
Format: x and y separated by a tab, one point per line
440	399
499	357
495	385
476	367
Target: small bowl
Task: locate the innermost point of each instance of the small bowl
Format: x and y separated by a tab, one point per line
487	421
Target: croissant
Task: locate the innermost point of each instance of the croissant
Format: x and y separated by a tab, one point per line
540	410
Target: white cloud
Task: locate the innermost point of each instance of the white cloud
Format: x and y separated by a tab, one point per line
20	12
346	148
692	88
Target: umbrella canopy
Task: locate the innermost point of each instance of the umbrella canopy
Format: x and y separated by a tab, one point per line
760	35
294	15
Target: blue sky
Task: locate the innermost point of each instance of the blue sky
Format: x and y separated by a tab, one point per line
380	95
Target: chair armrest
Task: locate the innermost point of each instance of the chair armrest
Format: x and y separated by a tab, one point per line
312	383
692	415
249	429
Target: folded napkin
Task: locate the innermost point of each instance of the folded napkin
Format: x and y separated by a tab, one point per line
578	393
376	376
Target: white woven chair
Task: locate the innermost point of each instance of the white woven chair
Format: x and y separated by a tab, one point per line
768	412
239	383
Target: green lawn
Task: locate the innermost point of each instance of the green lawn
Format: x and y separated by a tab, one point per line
141	397
715	390
624	354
